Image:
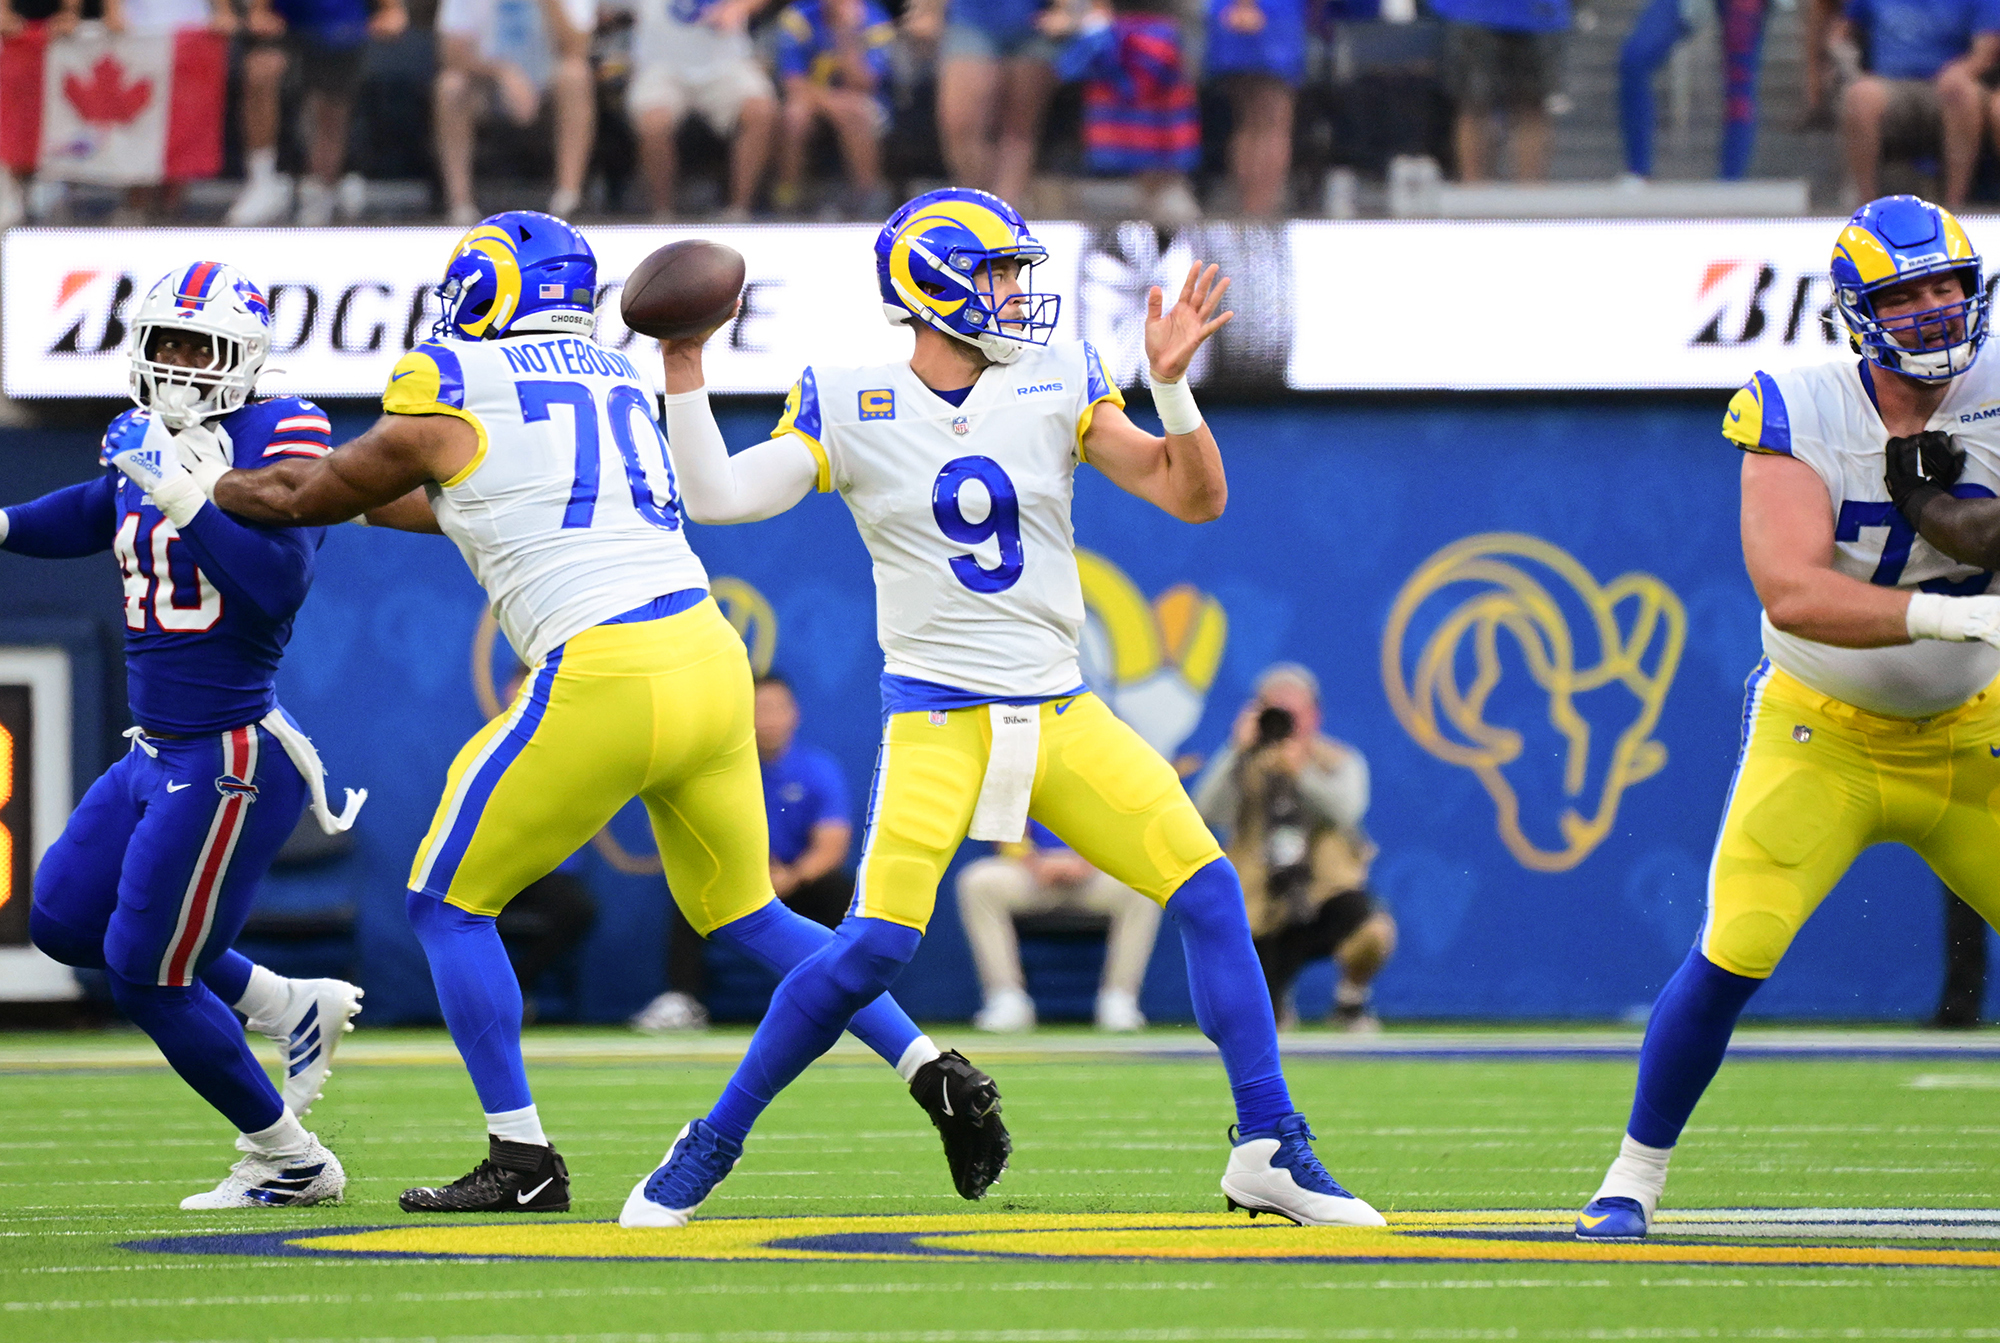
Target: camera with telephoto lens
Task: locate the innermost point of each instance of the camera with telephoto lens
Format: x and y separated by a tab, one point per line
1286	827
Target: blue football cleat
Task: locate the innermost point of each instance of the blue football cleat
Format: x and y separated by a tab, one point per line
1614	1218
1282	1175
693	1167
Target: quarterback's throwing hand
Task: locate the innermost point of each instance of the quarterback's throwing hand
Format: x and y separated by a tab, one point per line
1173	336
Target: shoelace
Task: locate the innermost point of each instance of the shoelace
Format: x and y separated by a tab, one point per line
1298	1147
696	1151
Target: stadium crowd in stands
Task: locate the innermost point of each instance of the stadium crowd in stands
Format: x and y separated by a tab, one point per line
740	109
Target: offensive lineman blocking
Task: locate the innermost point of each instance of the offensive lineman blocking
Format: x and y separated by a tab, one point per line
1858	728
535	449
958	467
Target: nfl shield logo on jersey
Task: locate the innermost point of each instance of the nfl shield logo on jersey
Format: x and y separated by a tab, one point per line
960	427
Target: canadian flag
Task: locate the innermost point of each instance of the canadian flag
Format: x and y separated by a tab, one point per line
121	110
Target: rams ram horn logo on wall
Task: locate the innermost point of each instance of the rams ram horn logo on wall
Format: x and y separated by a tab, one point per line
1151	662
1520	640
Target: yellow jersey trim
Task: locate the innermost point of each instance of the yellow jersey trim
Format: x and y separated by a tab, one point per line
1089	415
823	478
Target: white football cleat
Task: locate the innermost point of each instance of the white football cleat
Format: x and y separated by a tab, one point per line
259	1181
316	1014
687	1175
671	1011
1281	1175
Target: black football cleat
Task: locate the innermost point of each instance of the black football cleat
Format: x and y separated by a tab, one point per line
964	1103
515	1177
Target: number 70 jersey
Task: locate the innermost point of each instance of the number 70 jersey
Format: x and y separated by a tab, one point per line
965	511
568	513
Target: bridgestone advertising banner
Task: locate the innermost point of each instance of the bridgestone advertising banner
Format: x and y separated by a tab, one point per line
1319	306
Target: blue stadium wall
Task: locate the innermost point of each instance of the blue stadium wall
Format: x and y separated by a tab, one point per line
1551	730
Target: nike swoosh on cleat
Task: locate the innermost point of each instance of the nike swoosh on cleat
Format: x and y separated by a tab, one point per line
176	787
523	1198
1592	1221
944	1090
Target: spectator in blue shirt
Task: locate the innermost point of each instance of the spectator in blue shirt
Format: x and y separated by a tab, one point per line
833	59
1257	52
812	827
1502	56
1922	93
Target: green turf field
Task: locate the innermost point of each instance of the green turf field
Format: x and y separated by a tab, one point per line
99	1146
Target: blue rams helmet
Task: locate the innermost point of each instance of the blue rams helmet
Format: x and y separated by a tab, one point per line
518	271
1889	242
934	263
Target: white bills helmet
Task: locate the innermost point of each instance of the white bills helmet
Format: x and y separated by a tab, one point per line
219	302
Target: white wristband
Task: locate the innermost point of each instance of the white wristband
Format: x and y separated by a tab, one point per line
1175	403
1925	618
4	525
179	496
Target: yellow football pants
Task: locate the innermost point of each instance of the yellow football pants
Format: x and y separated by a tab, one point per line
1819	781
659	710
1098	786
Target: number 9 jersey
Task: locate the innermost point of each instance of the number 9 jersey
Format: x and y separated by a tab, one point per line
567	513
965	510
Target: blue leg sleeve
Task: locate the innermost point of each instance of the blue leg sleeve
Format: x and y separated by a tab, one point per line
1685	1041
778	937
1231	1004
479	996
202	1040
228	975
1646	48
809	1011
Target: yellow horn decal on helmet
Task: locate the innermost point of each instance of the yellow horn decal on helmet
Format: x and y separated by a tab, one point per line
906	283
1956	245
1871	260
496	246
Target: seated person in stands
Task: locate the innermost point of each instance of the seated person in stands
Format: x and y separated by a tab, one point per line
1291	800
1922	94
1042	876
812	828
695	58
833	56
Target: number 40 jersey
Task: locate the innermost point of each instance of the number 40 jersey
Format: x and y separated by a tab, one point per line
567	515
965	510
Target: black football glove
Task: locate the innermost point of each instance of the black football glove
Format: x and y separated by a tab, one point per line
1920	468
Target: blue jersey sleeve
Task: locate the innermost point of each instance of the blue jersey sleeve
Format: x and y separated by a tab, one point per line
77	520
269	567
1985	16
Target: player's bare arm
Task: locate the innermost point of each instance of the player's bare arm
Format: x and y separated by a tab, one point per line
1788	549
411	513
1968	530
716	488
1180	472
380	468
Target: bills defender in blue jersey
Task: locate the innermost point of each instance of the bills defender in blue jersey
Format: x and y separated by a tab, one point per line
154	874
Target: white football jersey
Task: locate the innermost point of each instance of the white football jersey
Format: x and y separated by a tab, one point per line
567	515
1825	416
965	511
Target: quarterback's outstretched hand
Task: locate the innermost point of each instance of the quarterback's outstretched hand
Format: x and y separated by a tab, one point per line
1954	619
1172	337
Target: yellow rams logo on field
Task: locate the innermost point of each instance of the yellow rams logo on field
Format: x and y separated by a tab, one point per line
1514	597
1151	662
742	605
1764	1238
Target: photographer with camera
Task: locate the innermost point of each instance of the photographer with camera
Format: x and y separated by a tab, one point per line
1291	800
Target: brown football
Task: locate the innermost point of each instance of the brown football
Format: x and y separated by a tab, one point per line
682	289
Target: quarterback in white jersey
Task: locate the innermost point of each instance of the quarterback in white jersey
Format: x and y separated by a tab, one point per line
958	467
1874	714
535	449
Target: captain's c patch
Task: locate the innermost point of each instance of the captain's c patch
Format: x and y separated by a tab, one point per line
878	403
